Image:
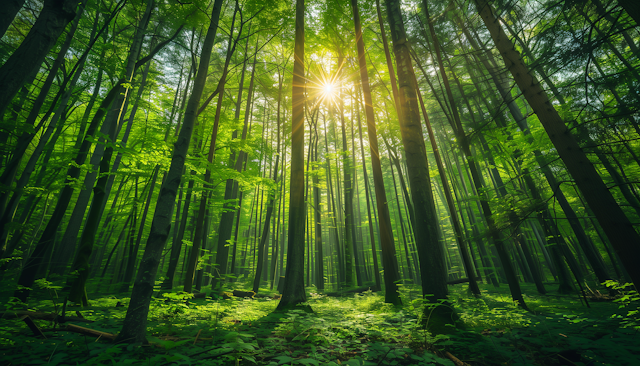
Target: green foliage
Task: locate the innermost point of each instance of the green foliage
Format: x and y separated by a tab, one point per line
629	300
353	330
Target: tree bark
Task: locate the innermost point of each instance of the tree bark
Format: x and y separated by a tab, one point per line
632	8
618	228
11	9
389	261
135	323
293	290
430	252
51	22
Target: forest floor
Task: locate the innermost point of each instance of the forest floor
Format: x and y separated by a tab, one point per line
357	329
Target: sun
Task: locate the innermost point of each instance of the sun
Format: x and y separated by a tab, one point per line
325	87
328	89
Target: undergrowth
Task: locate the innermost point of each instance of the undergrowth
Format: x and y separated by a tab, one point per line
357	329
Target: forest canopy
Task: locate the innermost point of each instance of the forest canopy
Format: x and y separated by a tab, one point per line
214	150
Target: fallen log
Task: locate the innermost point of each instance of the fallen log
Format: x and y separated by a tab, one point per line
358	290
237	293
460	280
42	316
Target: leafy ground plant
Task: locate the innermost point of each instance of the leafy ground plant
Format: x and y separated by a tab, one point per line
352	330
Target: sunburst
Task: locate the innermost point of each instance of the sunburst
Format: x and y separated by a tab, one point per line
329	90
325	88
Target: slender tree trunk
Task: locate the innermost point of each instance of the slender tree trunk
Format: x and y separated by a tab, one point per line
201	218
389	261
231	187
317	197
135	323
618	228
463	245
334	212
131	264
349	233
372	239
25	139
463	141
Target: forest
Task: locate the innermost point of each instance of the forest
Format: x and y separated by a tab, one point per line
320	182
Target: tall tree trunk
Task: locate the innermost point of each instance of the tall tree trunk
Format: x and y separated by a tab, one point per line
389	261
430	252
11	9
135	323
131	264
201	217
262	260
25	139
464	143
463	244
317	197
293	290
332	205
53	18
349	232
231	187
372	240
616	225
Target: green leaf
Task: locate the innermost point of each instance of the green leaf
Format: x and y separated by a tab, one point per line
283	359
308	361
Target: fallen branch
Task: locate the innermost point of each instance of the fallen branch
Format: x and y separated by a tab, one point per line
34	328
455	360
89	332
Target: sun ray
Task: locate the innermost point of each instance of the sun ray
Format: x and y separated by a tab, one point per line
324	87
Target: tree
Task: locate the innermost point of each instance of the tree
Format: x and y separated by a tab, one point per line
293	290
433	270
614	222
53	18
135	323
389	262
